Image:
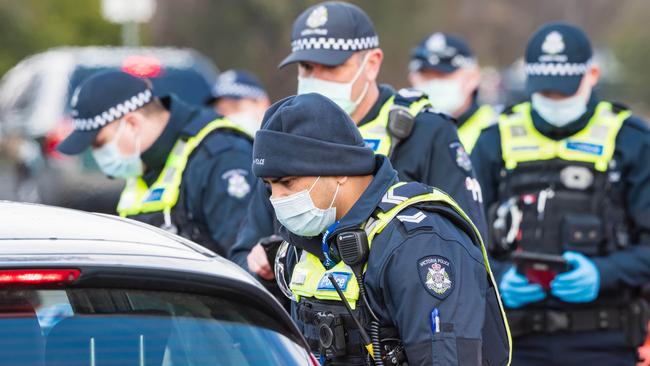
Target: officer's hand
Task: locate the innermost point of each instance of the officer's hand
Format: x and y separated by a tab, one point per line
516	291
258	263
581	284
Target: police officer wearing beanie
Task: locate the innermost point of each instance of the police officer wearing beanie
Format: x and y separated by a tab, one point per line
405	257
444	67
336	49
186	169
566	175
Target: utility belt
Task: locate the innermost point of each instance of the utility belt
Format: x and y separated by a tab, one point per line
631	319
331	332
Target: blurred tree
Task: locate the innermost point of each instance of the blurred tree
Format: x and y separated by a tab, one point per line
255	34
30	26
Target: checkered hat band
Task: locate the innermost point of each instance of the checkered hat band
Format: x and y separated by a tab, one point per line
113	113
240	90
556	69
337	44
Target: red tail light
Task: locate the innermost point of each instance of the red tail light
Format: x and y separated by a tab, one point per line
142	66
54	137
37	276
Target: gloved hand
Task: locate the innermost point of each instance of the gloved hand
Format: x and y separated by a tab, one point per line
516	291
581	284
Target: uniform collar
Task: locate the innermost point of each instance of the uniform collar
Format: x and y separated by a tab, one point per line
385	92
559	133
468	113
155	157
384	178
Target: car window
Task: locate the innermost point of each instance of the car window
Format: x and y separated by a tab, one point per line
134	327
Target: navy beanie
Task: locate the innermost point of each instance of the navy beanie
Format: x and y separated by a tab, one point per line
309	135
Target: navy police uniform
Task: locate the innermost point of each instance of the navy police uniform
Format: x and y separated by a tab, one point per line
422	248
431	154
445	54
197	177
217	181
599	207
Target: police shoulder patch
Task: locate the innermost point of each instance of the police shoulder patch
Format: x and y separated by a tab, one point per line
238	186
459	154
437	275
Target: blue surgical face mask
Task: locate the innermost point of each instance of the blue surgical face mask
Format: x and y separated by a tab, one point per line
115	164
339	93
299	214
560	112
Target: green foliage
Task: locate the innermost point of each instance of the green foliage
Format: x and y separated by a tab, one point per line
30	26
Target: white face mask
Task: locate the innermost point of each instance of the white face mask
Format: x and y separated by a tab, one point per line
113	163
560	112
299	214
246	120
339	93
446	95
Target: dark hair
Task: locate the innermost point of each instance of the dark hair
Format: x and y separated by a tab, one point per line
152	108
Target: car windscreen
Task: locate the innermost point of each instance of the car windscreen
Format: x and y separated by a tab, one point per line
134	327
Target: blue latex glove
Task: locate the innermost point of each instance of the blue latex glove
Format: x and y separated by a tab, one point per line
516	291
581	284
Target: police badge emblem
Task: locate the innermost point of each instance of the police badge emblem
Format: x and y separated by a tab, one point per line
238	186
459	154
318	17
553	43
436	275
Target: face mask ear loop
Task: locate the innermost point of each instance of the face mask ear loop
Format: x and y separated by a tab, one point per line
313	184
338	185
361	68
366	86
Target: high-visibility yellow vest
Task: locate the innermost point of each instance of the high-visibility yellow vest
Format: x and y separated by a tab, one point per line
310	278
521	142
469	131
375	133
138	198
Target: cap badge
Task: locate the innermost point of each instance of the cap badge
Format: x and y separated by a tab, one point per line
318	17
437	43
553	44
228	77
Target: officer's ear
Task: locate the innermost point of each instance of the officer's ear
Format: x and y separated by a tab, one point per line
373	65
472	79
341	180
593	75
134	121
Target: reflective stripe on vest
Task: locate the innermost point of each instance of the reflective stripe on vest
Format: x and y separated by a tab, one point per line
522	142
375	133
163	195
469	131
310	278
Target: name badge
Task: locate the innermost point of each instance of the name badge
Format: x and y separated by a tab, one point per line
341	278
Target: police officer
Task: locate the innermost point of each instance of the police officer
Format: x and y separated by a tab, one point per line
337	51
186	169
566	175
444	67
345	209
239	96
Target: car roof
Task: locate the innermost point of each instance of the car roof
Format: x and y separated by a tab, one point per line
109	56
53	235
